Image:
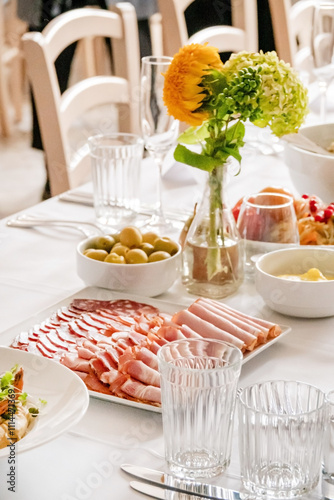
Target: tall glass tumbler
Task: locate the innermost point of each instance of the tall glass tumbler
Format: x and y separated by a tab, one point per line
281	426
198	390
116	165
328	458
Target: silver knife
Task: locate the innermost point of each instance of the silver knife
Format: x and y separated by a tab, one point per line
168	494
167	484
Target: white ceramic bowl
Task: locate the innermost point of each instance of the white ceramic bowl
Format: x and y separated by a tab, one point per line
304	299
313	173
149	279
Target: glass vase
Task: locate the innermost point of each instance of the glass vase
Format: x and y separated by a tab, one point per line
213	251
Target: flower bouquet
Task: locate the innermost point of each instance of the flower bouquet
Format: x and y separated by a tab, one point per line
216	100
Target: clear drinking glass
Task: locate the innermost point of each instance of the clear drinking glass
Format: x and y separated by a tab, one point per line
116	165
198	390
159	129
328	458
266	222
281	428
322	47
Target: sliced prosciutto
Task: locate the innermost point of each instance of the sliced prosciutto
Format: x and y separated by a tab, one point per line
112	345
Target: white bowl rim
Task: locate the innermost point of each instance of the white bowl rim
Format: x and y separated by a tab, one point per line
133	266
289	250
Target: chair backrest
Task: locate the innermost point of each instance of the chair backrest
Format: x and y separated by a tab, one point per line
56	111
292	26
11	65
242	35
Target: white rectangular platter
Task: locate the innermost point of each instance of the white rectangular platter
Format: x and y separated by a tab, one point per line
8	336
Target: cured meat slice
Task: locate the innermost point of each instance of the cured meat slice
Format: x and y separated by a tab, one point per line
120	307
73	362
259	331
273	329
189	333
94	384
142	392
138	369
170	332
224	324
146	356
205	329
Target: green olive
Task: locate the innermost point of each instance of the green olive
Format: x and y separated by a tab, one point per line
150	237
120	249
160	255
102	243
114	258
136	256
115	236
147	247
166	245
96	254
130	237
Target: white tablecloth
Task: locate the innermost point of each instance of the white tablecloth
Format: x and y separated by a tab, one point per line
38	269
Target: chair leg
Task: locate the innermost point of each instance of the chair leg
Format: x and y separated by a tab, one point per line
16	86
4	101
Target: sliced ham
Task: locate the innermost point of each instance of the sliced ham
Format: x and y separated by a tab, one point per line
94	384
146	356
259	331
170	332
189	333
73	362
142	392
273	330
224	324
204	328
138	369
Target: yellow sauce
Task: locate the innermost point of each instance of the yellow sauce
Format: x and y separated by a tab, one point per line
312	275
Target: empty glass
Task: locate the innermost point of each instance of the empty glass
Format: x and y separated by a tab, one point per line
159	130
281	428
328	460
266	222
116	164
198	390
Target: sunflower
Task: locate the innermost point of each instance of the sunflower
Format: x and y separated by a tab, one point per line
183	93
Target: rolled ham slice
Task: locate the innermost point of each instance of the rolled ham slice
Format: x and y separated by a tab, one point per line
205	329
224	324
273	330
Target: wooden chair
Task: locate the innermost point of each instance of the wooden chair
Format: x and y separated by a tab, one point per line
11	66
56	112
292	26
242	35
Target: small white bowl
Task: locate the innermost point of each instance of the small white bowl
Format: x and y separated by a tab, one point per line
149	279
305	299
313	173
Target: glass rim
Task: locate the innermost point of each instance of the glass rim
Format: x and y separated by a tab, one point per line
245	405
287	203
199	340
132	141
330	397
157	60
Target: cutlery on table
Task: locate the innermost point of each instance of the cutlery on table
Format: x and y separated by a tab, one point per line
165	484
83	198
31	221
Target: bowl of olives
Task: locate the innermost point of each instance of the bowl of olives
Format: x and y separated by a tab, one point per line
130	261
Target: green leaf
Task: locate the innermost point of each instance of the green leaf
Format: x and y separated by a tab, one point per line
194	135
236	131
184	155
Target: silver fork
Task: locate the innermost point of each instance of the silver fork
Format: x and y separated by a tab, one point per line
31	220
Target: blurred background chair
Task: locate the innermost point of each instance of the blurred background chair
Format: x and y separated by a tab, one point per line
11	66
68	167
292	26
173	33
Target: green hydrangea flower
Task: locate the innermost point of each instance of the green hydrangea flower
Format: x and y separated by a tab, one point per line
280	100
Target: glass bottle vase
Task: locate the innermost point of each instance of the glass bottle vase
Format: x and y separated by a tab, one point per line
213	251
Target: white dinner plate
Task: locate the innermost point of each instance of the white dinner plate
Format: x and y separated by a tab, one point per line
65	394
102	294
